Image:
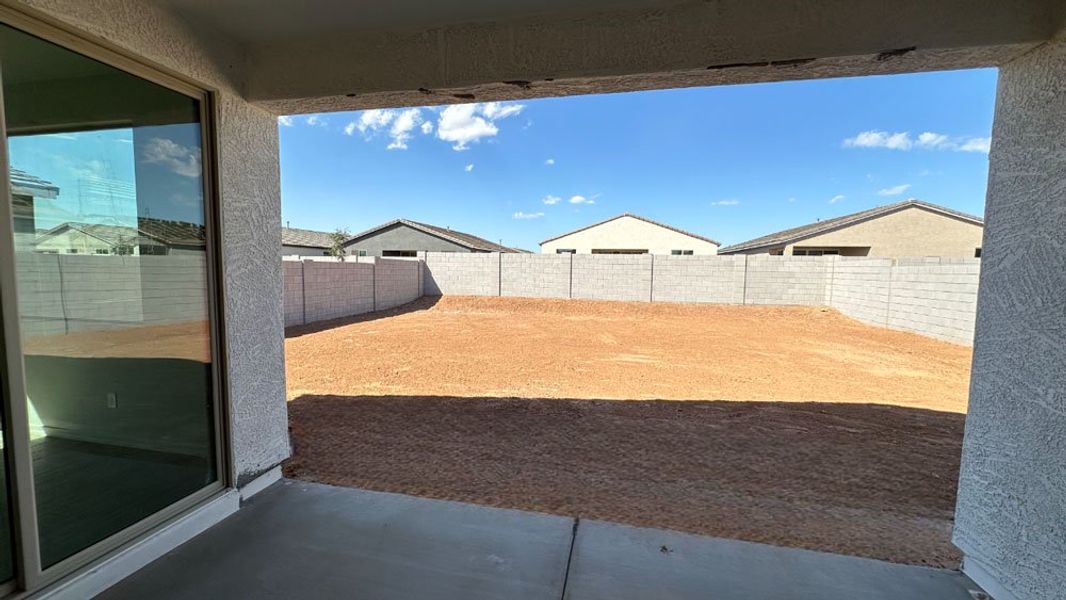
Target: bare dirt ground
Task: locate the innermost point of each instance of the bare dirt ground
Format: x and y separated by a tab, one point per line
790	426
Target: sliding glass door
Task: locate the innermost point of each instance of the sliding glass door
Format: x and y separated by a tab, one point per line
110	288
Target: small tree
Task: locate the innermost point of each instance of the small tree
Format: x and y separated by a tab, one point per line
336	243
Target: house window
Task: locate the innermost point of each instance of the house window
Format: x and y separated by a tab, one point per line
619	251
122	442
360	253
565	251
681	252
977	253
407	253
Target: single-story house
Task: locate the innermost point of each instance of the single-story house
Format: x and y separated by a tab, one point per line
157	237
629	234
910	228
305	242
403	237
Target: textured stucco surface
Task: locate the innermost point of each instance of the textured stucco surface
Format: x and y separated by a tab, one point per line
686	44
251	214
1011	514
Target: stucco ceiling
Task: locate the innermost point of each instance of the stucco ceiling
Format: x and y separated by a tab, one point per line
253	21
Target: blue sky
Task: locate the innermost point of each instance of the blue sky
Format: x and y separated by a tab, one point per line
114	176
731	162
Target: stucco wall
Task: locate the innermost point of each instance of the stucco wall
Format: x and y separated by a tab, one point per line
1011	516
248	174
402	237
629	233
906	233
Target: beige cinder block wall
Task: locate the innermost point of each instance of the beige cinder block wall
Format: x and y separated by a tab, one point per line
913	231
629	233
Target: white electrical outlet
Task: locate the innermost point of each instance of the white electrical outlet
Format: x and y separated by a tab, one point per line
112	400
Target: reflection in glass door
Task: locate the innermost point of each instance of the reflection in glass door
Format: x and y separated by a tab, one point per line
112	273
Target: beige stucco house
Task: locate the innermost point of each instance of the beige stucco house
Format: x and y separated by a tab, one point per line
629	234
909	228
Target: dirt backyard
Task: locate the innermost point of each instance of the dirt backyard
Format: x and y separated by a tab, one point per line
785	425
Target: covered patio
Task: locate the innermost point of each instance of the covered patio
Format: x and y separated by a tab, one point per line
224	70
306	540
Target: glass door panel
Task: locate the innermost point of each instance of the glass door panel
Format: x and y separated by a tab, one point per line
113	294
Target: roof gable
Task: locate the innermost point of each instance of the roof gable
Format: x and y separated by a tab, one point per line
795	234
466	240
637	217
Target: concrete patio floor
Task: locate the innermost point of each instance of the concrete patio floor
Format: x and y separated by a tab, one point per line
306	540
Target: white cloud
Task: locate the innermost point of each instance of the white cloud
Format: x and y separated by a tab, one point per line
464	124
427	127
524	216
880	139
927	140
976	145
496	110
837	198
372	120
315	121
726	202
285	121
894	190
183	160
578	199
469	167
550	162
791	200
552	200
402	126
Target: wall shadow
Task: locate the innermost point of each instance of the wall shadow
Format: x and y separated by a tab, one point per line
419	305
864	479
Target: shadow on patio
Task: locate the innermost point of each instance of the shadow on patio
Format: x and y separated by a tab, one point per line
306	540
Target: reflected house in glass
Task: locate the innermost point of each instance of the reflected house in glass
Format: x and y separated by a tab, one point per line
153	237
25	190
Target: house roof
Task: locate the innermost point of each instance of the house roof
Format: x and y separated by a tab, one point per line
174	233
171	233
307	238
31	185
645	219
466	240
788	236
